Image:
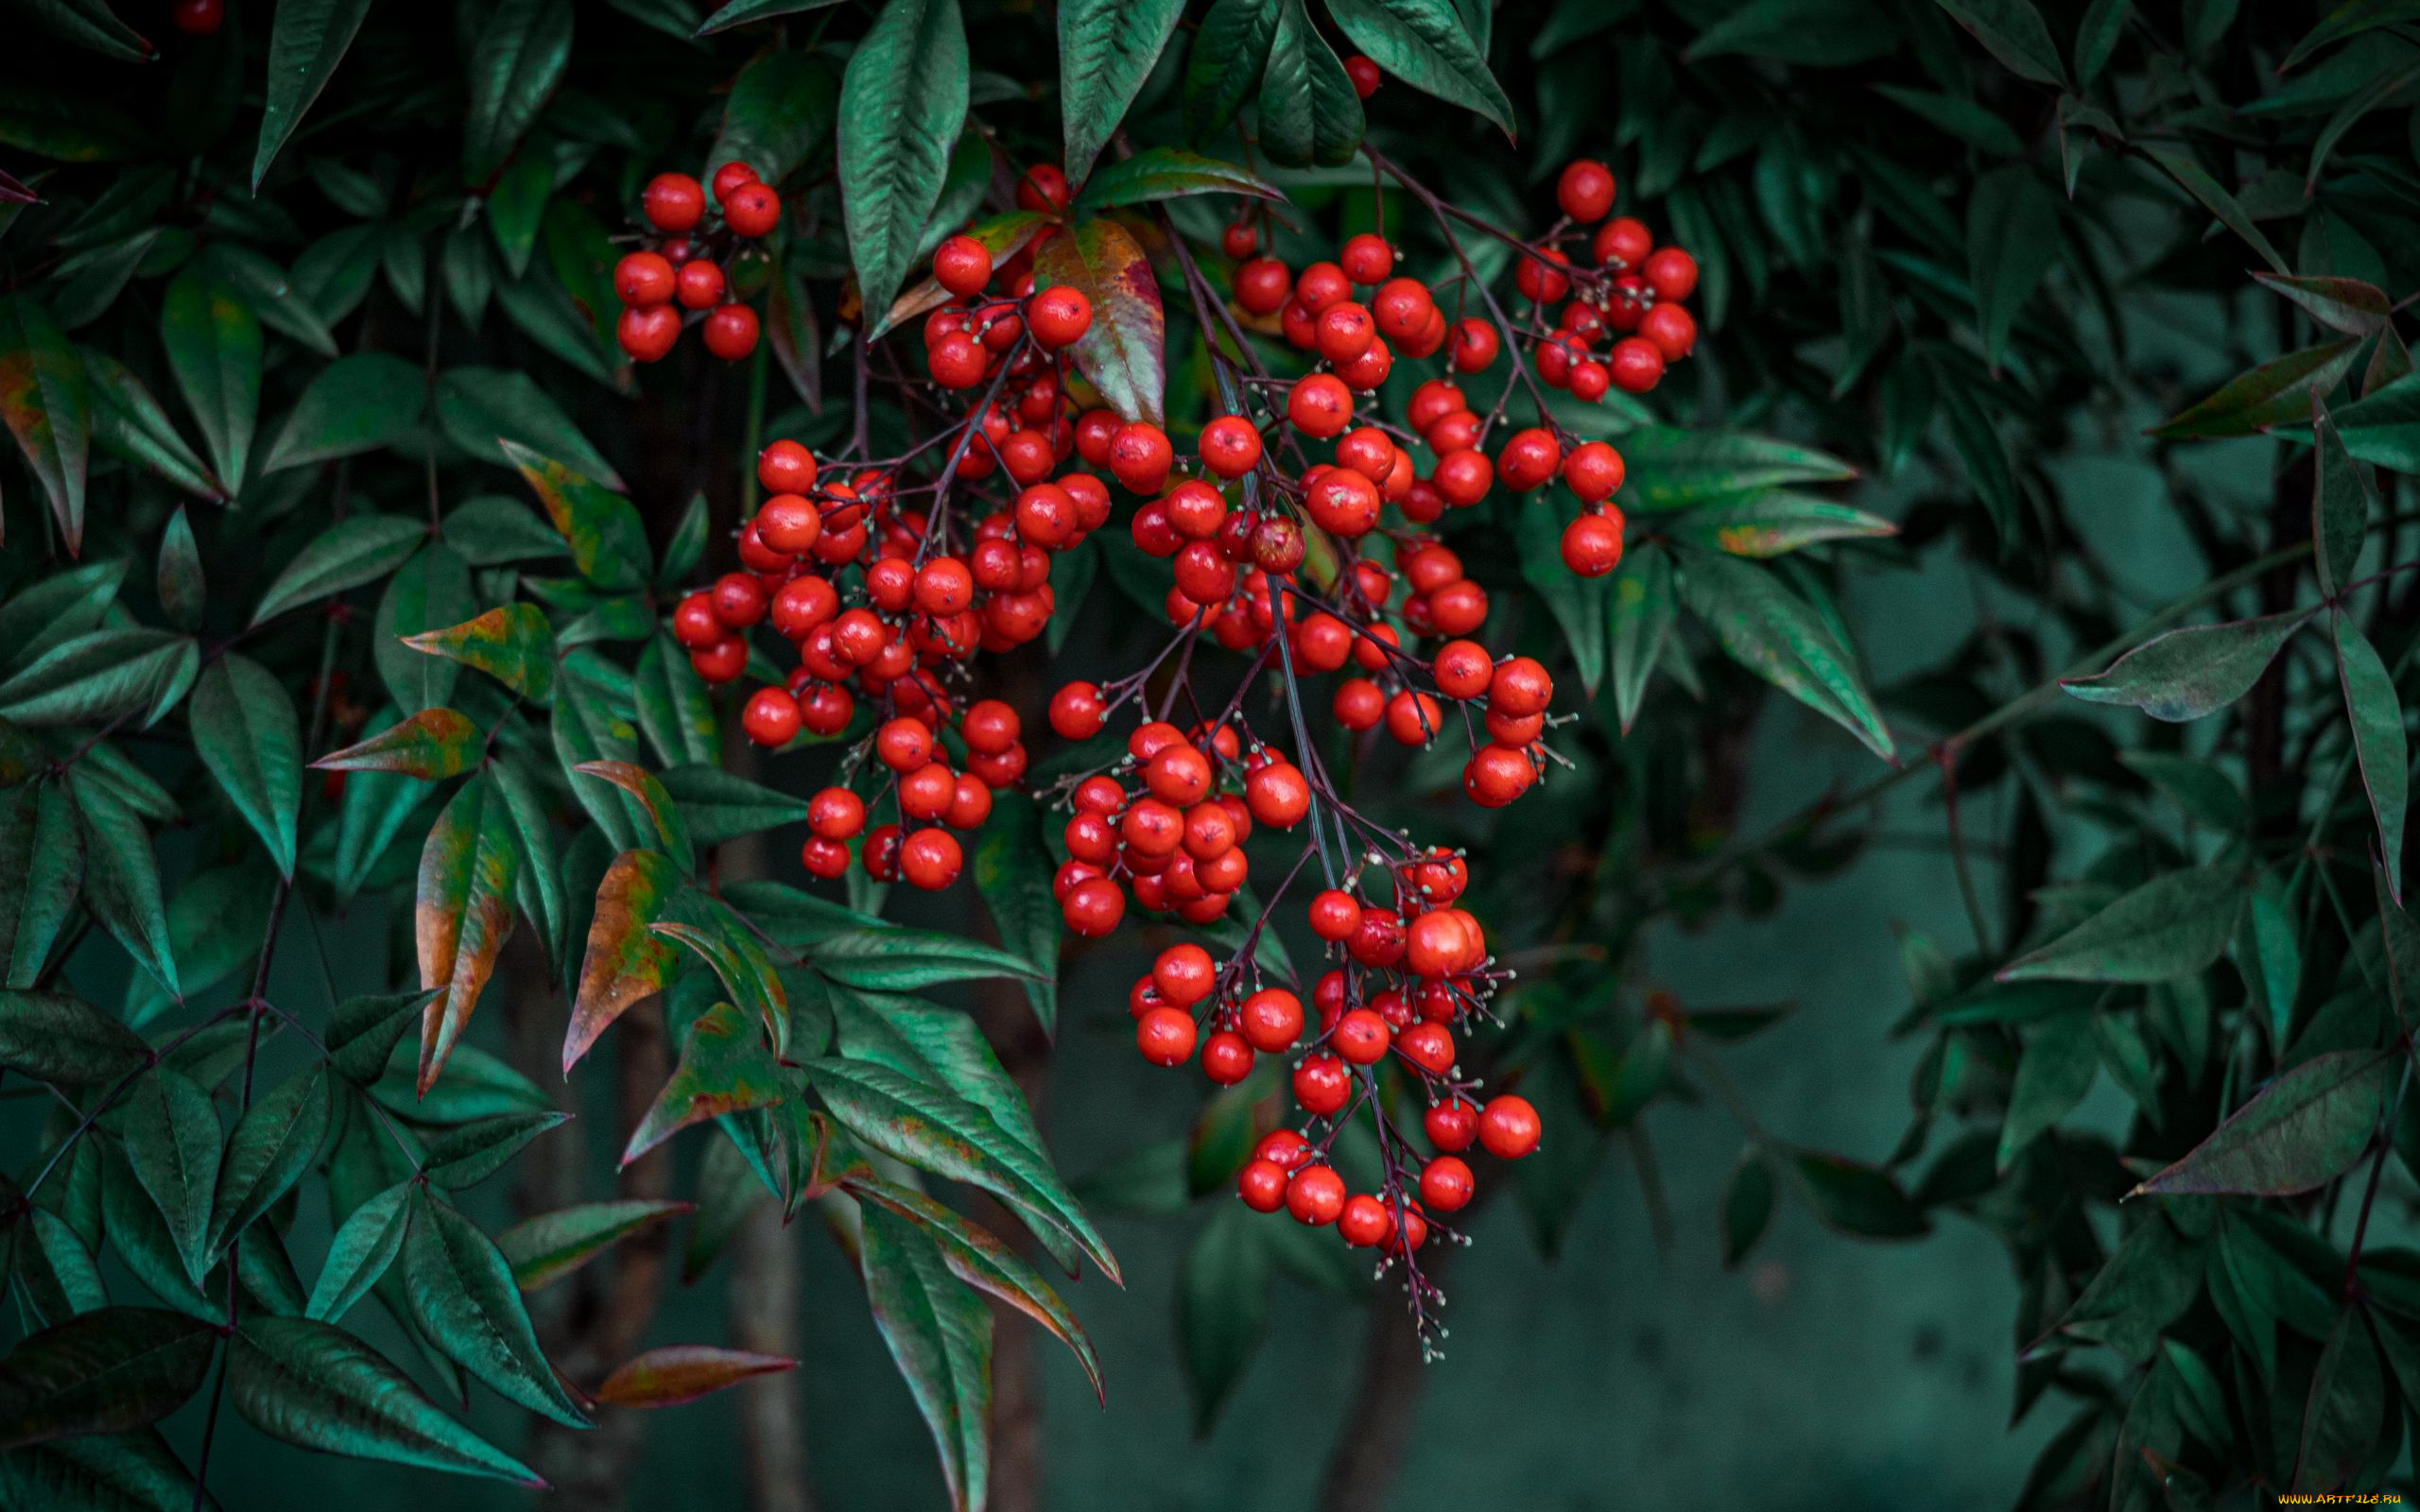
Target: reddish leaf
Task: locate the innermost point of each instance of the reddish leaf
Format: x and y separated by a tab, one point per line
2271	394
1124	355
511	644
724	1069
43	399
2297	1134
676	1373
551	1246
625	962
463	913
432	744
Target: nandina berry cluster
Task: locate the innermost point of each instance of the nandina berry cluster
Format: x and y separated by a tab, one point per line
683	275
1299	533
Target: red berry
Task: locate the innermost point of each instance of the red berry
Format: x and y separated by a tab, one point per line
1634	365
1445	1185
1238	240
1322	1085
1278	795
1262	1185
1360	1036
931	859
1474	345
720	662
698	286
1092	908
731	331
1364	1221
1364	75
644	279
1226	1059
1140	457
836	813
1592	545
1183	974
1230	446
673	201
1335	915
1623	243
1671	273
198	18
1451	1126
647	334
771	719
739	600
1273	1020
1594	472
1320	405
1507	1128
1059	315
1672	329
1315	1194
1585	191
1367	259
1166	1035
962	265
1042	188
752	210
729	177
785	466
1495	776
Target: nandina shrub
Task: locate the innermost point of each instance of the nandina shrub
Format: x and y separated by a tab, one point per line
622	511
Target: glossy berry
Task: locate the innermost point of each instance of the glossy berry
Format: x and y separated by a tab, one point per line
785	466
673	201
1507	1128
1042	188
647	334
753	209
642	280
1592	545
730	177
931	859
1226	1059
1671	273
198	18
1059	315
1322	1085
1445	1185
1365	74
698	286
772	717
1273	1020
1262	1185
1315	1194
1360	1038
1451	1126
731	331
962	265
1166	1035
1635	364
1594	472
1585	191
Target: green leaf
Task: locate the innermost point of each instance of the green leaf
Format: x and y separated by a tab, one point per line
1013	873
676	711
903	103
92	25
365	1245
171	1135
358	403
1675	469
182	590
1643	612
480	409
1308	113
511	644
122	878
315	1386
2346	1406
2201	790
2298	1133
2012	240
543	309
2384	427
2053	1077
545	1248
128	1472
364	1032
274	1144
1747	1206
2197	183
64	1040
492	531
740	12
429	592
1124	354
976	1257
463	1297
2012	31
1816	33
214	344
103	1372
246	732
718	806
1960	116
2147	1285
2348	19
2185	673
625	962
1107	49
1223	68
2376	717
607	540
2340	509
1168	173
1424	43
1221	1310
1859	1200
2171	926
519	55
724	1069
2345	304
431	745
105	676
1578	604
940	1335
1776	634
263	285
128	422
45	400
463	912
2275	393
307	38
780	112
949	1136
360	549
462	1157
741	965
670	830
1776	524
42	851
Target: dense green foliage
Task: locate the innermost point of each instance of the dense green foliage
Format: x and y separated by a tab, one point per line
331	467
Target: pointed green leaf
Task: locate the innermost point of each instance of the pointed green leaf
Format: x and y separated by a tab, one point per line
307	38
43	848
246	732
274	1144
522	49
364	1031
358	403
607	540
462	1157
940	1335
1221	1310
545	1248
428	592
1168	173
2012	31
2275	393
2171	926
724	1069
480	409
2376	716
104	675
463	913
2012	239
365	1244
780	113
1223	68
2296	1134
2185	673
1012	874
122	878
312	1384
361	549
1424	43
1747	1206
171	1136
2053	1076
1107	49
462	1297
65	1041
213	346
903	103
2196	181
104	1372
1308	111
511	644
1643	612
1776	634
45	403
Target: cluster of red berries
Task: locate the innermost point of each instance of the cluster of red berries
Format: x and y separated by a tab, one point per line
975	336
675	279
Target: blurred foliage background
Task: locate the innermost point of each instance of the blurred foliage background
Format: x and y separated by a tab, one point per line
2100	305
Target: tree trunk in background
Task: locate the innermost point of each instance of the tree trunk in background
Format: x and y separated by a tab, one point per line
597	1317
763	1308
1378	1422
